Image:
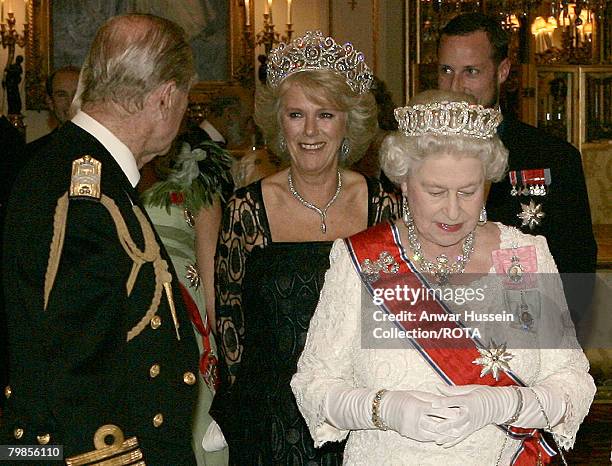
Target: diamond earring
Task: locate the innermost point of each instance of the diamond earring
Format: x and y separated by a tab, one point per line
482	218
282	143
406	216
345	149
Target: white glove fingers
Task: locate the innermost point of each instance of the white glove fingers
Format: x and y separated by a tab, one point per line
444	413
213	439
455	431
429	427
451	426
450	402
429	424
426	434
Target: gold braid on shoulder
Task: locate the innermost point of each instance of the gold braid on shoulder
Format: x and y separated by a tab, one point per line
151	253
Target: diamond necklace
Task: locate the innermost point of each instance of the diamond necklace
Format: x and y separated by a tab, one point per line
322	212
442	268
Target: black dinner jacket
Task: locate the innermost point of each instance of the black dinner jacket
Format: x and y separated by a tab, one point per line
72	369
567	222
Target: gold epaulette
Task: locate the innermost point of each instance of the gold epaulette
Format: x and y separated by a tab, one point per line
119	452
85	180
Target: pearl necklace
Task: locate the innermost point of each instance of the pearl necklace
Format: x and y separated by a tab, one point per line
441	269
322	212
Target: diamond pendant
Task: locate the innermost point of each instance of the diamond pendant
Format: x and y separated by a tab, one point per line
525	317
323	225
442	270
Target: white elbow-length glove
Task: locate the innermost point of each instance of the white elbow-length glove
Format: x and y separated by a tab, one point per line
480	405
407	412
213	439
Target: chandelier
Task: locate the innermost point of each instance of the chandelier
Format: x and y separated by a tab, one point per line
563	31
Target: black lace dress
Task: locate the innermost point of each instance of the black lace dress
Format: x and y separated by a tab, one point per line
266	295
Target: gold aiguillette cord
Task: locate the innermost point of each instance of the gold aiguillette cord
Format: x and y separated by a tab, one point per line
168	288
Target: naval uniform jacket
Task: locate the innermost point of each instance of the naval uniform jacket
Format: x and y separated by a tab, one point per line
71	368
567	223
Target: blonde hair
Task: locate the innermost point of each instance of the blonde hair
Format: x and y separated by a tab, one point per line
323	87
130	56
401	154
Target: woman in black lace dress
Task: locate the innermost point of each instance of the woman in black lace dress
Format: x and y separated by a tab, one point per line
276	234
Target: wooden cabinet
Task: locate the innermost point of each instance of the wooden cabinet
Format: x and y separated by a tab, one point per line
574	102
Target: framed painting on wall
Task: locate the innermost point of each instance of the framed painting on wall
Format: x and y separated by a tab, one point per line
62	30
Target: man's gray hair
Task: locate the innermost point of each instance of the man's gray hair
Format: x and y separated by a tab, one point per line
130	56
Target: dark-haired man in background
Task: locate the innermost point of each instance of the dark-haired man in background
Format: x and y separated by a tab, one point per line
544	192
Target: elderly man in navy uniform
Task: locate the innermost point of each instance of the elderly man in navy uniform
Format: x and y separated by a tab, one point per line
103	359
545	191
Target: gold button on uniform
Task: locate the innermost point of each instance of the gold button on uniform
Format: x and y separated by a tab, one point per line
155	322
154	371
43	439
189	378
18	433
158	419
8	391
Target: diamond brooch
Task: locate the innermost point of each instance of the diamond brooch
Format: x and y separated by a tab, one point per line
531	215
385	263
493	360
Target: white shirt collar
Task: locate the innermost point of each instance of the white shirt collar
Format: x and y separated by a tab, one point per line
120	152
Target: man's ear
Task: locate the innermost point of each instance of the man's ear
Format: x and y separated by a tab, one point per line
163	97
503	70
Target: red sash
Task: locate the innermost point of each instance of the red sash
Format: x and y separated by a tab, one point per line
451	354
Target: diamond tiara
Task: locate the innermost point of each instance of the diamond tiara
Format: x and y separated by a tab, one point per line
314	51
448	118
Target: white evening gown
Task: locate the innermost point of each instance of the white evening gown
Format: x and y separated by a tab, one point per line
334	356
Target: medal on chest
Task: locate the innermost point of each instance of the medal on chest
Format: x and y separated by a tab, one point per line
533	182
517	266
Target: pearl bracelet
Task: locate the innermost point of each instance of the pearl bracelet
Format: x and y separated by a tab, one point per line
376	419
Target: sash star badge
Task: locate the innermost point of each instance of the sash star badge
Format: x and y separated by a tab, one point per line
493	359
531	215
